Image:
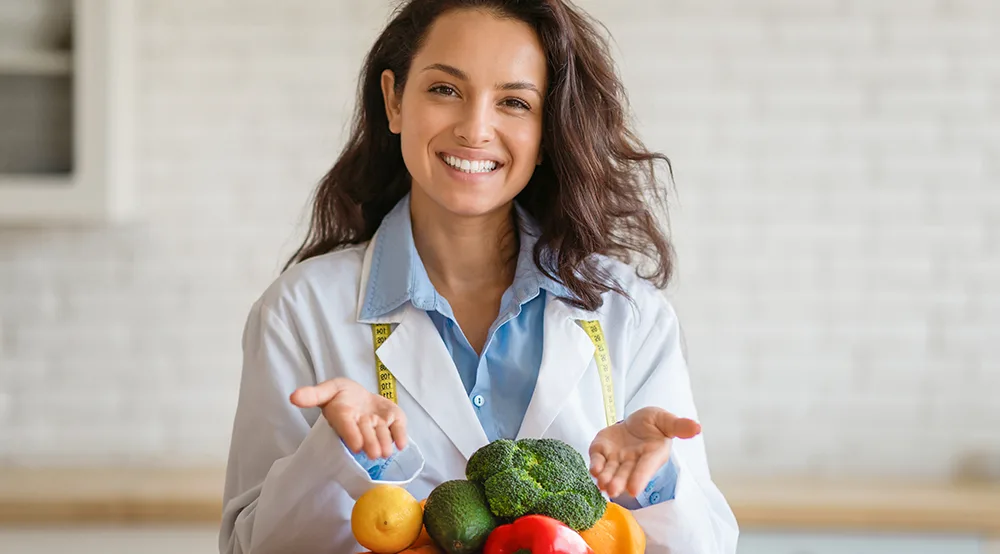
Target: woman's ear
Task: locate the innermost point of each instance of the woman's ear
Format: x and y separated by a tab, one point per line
539	160
392	101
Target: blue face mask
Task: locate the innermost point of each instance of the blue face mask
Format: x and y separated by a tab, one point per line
375	468
395	467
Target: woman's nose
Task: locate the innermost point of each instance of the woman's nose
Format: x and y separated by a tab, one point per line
476	126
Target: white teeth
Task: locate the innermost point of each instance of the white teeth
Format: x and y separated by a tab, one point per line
470	166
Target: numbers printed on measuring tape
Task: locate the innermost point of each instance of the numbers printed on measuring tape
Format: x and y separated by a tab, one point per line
603	360
386	381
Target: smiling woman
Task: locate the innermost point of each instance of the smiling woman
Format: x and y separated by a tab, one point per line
472	103
468	277
502	79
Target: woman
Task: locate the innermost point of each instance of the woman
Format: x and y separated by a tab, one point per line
474	234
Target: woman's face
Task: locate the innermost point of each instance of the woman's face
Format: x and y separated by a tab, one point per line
470	117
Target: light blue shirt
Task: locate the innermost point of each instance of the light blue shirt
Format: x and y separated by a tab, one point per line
499	383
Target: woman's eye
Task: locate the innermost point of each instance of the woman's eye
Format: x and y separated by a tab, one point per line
444	90
517	104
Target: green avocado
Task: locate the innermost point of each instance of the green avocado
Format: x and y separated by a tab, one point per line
458	517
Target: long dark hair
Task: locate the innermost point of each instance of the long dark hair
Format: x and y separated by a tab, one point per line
594	193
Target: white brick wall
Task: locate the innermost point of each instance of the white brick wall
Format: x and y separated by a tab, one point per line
838	226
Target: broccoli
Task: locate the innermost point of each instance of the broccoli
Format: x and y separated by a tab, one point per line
537	476
496	454
512	493
569	508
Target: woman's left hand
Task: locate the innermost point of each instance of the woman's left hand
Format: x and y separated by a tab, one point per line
625	456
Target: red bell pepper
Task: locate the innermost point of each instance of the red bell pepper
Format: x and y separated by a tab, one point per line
535	534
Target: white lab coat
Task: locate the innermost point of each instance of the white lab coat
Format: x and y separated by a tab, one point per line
291	485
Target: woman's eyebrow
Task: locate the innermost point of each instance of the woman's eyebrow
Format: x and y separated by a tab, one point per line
463	76
450	70
519	85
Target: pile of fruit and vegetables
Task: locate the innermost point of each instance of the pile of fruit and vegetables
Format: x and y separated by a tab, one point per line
519	497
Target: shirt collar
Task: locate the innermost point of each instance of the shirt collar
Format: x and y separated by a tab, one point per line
397	274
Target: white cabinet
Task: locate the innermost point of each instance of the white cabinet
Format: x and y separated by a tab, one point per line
66	112
856	543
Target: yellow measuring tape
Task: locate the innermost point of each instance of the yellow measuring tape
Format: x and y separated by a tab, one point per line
387	383
603	359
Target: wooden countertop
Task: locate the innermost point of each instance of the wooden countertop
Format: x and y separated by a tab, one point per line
866	506
108	495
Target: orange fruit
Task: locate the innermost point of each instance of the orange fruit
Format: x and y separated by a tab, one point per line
387	519
617	532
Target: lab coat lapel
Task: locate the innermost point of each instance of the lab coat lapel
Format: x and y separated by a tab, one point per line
567	352
418	358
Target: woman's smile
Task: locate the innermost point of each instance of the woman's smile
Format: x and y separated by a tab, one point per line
470	168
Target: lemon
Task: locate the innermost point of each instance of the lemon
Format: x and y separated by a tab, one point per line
386	519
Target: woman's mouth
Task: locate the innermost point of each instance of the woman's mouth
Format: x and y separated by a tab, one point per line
470	166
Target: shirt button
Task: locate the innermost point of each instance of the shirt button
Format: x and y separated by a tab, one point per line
478	400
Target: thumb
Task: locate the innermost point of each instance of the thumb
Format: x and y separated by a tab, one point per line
318	395
676	427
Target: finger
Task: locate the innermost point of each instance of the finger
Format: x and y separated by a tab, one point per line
317	395
384	438
371	446
617	484
607	474
350	434
597	461
599	448
645	468
676	427
685	428
397	430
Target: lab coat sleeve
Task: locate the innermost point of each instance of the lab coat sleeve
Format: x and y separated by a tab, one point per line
698	520
290	482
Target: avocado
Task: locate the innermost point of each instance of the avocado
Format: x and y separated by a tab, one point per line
458	517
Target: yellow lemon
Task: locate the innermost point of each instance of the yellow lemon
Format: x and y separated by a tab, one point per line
386	519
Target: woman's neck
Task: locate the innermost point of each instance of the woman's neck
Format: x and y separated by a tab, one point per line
464	256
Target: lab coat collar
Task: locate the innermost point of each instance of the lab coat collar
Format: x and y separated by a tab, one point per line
567	353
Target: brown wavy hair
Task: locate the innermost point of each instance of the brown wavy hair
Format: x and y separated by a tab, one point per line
594	193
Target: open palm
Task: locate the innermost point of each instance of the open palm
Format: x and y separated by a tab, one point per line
625	456
365	421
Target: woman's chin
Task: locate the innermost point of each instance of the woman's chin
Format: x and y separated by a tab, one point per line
466	203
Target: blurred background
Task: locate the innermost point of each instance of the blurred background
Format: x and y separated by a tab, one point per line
836	215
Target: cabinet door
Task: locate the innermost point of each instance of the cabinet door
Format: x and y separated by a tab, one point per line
803	543
66	117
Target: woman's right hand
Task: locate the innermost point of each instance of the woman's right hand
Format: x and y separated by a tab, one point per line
364	421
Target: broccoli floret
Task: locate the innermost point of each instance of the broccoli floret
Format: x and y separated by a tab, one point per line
512	493
494	457
568	507
537	476
588	490
555	476
554	451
